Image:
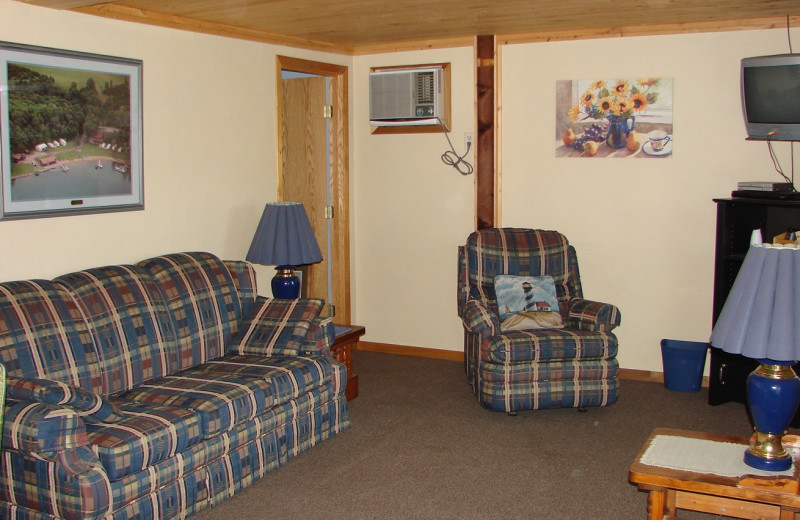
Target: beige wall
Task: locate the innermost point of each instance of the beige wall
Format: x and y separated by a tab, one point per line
644	229
209	146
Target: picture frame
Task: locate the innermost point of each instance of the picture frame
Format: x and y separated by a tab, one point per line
70	133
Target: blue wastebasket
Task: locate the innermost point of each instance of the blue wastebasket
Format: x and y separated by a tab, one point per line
683	363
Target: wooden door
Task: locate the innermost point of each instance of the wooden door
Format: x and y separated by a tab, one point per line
312	162
304	166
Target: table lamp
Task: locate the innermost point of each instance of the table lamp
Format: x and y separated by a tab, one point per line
284	238
760	320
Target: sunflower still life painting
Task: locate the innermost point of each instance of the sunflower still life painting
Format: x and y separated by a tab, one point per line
614	118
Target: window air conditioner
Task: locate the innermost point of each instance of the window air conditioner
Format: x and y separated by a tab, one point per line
406	97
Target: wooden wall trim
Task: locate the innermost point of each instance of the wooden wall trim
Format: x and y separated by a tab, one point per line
485	142
629	374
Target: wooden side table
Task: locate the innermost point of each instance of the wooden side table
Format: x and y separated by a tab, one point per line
344	345
746	496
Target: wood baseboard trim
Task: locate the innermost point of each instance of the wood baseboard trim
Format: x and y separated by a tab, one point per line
630	374
404	350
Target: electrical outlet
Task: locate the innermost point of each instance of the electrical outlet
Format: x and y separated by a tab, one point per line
469	140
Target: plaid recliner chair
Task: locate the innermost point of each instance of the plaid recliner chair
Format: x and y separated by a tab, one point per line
523	353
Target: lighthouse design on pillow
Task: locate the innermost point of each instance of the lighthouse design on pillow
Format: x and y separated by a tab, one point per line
527	302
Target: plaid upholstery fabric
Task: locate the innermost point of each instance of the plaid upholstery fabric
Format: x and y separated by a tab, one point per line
188	435
43	335
203	301
321	335
538	368
244	278
220	402
288	378
175	499
89	406
537	395
147	435
589	315
554	371
68	486
42	428
276	327
129	321
520	252
479	320
522	346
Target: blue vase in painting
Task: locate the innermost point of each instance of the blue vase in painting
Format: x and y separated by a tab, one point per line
618	130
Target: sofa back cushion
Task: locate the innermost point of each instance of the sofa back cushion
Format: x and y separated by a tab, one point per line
130	322
204	302
43	335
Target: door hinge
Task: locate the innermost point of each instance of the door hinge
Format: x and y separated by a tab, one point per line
328	212
328	111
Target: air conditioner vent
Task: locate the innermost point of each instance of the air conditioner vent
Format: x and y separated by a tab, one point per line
426	89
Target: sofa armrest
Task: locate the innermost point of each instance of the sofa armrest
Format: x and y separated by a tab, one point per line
479	319
276	327
43	429
590	315
320	338
91	407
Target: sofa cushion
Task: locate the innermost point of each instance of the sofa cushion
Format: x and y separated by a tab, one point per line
130	322
221	400
276	327
90	406
203	300
146	435
43	335
287	377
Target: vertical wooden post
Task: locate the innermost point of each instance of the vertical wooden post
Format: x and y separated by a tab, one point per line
485	141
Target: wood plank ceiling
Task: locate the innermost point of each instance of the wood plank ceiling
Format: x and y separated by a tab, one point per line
367	26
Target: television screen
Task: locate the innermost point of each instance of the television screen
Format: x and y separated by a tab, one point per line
773	94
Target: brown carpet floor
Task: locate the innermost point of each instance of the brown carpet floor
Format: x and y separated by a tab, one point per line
421	447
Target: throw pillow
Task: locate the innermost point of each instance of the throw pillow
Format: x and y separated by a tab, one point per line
276	327
527	302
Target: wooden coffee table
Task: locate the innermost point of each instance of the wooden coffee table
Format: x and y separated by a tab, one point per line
743	496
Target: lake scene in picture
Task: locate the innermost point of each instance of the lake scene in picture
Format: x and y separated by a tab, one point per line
69	133
73	180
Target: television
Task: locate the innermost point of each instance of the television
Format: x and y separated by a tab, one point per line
771	97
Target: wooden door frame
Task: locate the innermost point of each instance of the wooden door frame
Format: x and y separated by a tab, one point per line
340	166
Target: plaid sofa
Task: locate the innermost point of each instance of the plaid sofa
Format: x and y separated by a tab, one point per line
514	370
152	391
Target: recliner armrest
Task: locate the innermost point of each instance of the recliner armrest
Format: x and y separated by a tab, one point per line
591	315
479	319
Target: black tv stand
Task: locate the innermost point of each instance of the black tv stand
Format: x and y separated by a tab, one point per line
765	195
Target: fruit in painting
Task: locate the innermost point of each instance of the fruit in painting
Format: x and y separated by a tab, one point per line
634	142
591	147
568	137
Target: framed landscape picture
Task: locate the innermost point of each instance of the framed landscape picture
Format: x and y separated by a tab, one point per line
70	132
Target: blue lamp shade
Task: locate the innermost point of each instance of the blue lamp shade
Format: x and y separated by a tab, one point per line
284	238
760	320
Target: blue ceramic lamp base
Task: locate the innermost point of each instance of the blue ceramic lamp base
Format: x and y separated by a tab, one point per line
285	284
773	393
